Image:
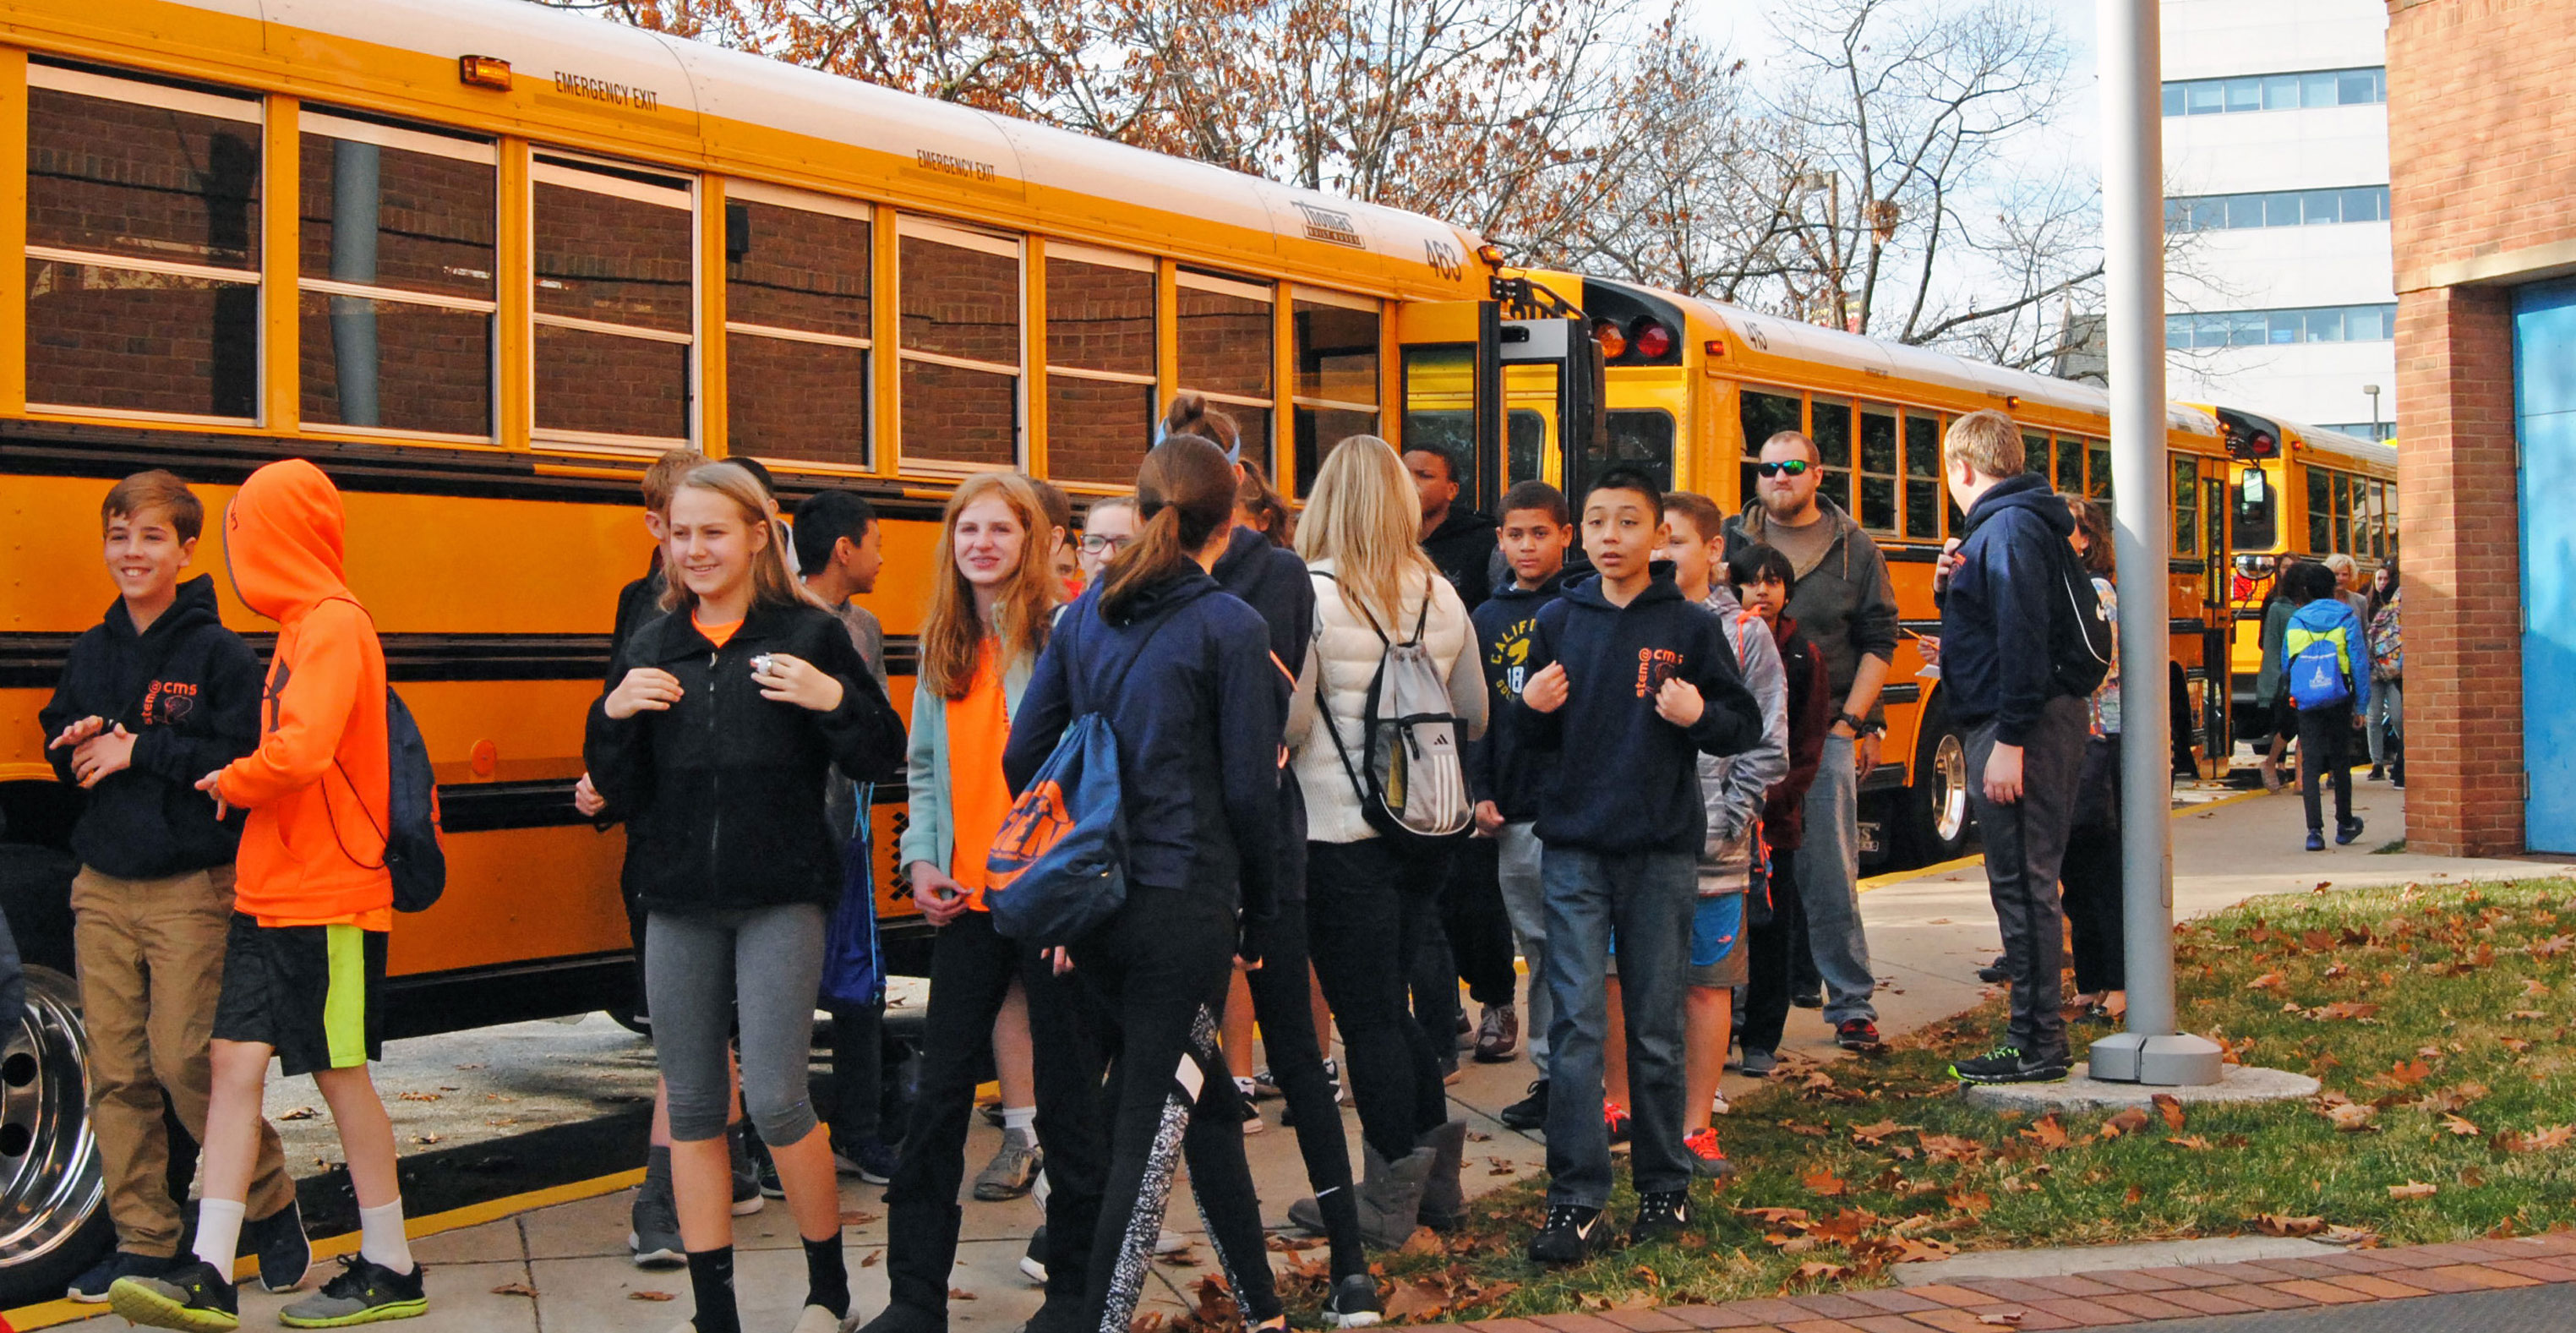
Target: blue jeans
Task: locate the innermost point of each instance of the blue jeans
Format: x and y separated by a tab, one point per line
1829	885
1648	899
1525	901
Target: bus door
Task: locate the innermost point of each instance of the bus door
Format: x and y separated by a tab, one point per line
2218	620
1512	400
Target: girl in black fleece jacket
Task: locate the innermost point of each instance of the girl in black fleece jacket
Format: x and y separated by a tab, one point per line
726	713
1182	671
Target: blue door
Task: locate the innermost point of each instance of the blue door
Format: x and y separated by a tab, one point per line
2544	380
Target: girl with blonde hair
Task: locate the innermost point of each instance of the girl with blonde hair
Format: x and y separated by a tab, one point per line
1370	905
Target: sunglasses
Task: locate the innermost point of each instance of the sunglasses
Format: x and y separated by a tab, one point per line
1795	467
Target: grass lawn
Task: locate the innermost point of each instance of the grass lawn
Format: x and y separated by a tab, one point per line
2436	1017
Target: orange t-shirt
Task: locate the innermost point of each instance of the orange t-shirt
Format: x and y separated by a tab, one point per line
979	727
719	635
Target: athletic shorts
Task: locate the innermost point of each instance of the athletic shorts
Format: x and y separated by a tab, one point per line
310	992
1717	941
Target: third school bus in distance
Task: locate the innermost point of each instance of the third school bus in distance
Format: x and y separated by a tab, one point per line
2302	491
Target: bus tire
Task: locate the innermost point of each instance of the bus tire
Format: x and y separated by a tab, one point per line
1938	824
53	1214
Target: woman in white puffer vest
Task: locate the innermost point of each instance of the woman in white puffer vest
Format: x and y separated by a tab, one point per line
1370	905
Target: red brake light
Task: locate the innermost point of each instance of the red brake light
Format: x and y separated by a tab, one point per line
1614	343
1654	341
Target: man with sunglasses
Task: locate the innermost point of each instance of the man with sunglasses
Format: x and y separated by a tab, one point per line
1845	605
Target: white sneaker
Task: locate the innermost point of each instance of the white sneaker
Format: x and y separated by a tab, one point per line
1720	1106
1246	1089
1170	1242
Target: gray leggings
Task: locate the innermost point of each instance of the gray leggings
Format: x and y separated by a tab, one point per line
762	965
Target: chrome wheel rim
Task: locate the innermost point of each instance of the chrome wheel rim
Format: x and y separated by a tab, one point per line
50	1180
1950	789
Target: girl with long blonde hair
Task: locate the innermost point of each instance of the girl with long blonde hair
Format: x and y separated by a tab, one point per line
1371	907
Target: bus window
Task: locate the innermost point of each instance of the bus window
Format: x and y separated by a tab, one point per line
1763	415
1641	437
2342	513
1526	441
1923	476
1100	383
1532	391
2070	466
616	299
1336	394
1833	437
143	240
1877	480
2097	460
1225	347
397	291
2256	524
2034	454
960	345
797	331
2186	506
1439	408
2319	511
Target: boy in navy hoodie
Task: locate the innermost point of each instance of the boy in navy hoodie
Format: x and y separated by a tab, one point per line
151	698
1505	775
1641	682
2026	735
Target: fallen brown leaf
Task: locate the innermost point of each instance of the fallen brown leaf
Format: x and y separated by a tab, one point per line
1823	1183
960	1294
2134	1195
2048	1132
2126	1121
2170	1107
871	1258
2557	1136
2274	1224
1970	1202
643	1295
514	1289
1423	1241
1778	1217
2269	981
2461	1126
1813	1271
2351	1118
855	1218
299	1113
1870	1136
2194	1143
1415	1300
2001	1319
2413	1189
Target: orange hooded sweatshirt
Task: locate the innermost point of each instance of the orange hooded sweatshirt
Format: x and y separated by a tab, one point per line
311	852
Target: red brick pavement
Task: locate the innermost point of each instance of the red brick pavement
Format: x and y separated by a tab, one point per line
2107	1299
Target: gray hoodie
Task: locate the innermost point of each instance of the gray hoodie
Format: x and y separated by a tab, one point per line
1845	605
1732	788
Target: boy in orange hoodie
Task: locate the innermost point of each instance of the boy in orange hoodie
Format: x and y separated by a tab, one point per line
312	905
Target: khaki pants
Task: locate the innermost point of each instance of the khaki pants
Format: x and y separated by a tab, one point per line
151	958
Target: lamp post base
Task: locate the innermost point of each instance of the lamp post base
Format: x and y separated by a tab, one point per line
2171	1060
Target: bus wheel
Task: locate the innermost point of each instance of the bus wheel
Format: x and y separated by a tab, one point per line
1938	822
53	1222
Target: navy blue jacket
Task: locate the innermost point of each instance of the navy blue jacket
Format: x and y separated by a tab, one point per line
1501	766
1198	711
1994	615
189	690
1625	780
1274	582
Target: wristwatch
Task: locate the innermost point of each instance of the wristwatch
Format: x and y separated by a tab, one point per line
1860	726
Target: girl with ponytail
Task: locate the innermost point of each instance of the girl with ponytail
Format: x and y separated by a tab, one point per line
1183	674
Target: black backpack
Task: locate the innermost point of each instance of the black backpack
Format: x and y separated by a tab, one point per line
2079	634
413	855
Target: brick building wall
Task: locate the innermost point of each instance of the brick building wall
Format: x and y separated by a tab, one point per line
2481	172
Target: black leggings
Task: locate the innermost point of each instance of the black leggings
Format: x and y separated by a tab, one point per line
971	970
1368	910
2092	876
1479	931
2325	740
1281	1005
1153	968
1771	951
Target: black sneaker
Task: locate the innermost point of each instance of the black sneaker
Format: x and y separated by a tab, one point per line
1529	1112
1993	974
2345	833
1572	1234
653	1232
365	1292
1661	1215
191	1296
866	1156
283	1251
1856	1034
2007	1064
1808	999
764	1171
1354	1302
898	1317
90	1288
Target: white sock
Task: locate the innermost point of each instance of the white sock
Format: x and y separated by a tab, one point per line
381	1239
219	1224
1023	1119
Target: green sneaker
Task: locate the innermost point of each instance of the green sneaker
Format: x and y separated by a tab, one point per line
2007	1064
193	1296
365	1292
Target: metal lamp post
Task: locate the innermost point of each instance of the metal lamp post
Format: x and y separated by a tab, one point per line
2150	1051
2373	391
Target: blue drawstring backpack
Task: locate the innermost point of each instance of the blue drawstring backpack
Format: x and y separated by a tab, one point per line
853	970
1058	869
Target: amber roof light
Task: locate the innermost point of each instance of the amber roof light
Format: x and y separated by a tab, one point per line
483	72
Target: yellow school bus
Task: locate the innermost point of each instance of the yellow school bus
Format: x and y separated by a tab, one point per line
2299	490
481	260
1690	389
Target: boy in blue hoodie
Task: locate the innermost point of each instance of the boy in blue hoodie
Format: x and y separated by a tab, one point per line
1642	682
1504	775
2026	735
2326	674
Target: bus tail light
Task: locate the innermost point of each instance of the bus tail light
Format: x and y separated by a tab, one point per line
1654	342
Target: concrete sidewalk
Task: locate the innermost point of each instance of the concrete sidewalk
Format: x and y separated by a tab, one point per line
562	1268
